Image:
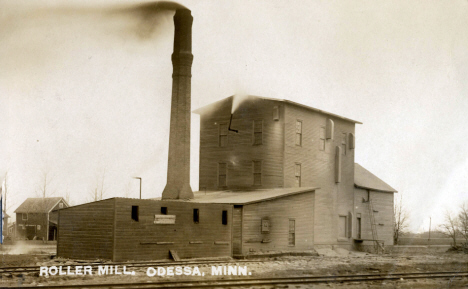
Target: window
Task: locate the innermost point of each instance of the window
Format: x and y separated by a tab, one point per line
359	227
135	213
222	169
342	227
163	210
344	143
265	226
298	133
224	218
352	141
24	216
338	164
297	174
292	232
61	206
38	227
257	173
223	134
258	132
322	138
275	113
196	216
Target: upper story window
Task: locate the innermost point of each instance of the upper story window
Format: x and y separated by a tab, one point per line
297	173
298	133
222	142
257	173
24	216
135	213
196	216
61	206
344	143
222	172
322	138
163	210
258	132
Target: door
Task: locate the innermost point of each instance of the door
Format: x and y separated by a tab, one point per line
237	230
30	231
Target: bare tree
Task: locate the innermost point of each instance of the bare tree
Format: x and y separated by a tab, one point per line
450	227
67	196
401	219
98	191
43	188
463	222
5	194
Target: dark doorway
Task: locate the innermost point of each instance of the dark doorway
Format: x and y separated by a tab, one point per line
30	232
237	231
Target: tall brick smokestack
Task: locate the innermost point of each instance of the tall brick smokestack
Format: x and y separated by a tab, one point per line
178	170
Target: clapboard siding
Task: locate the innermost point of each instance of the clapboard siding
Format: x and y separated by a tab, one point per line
298	207
240	152
318	168
383	204
137	240
86	231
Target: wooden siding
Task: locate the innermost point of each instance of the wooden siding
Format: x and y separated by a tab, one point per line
240	151
383	204
279	212
144	240
318	169
85	231
34	219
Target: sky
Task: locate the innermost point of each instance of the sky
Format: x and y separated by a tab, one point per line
85	89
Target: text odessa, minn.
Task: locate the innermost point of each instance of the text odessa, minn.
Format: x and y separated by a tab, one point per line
150	271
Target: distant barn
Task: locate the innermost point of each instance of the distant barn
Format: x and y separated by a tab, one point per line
37	218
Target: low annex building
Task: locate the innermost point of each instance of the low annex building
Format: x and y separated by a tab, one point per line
36	218
212	224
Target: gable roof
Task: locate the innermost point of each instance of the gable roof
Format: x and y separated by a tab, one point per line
247	197
213	105
39	205
366	180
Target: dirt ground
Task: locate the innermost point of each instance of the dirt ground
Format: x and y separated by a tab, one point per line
343	263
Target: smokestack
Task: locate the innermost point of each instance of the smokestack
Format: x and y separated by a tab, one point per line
178	170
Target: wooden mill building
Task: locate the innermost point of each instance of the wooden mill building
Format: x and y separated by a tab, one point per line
275	175
285	181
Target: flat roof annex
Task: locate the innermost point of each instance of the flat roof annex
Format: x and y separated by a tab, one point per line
211	106
247	197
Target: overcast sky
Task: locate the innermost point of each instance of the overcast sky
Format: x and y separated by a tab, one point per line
85	88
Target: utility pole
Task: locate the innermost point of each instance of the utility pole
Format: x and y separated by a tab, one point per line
140	184
430	220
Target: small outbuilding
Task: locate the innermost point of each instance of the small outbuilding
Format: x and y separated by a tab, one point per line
36	218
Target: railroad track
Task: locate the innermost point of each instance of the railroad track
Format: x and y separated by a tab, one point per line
212	283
